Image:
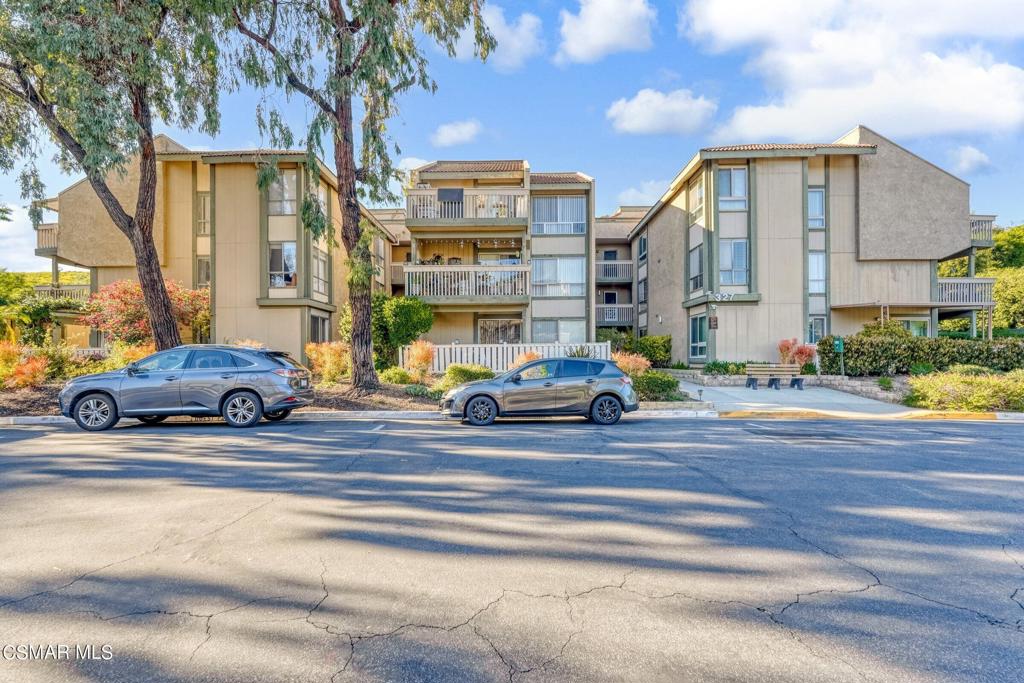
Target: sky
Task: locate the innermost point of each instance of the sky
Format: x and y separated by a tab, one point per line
627	91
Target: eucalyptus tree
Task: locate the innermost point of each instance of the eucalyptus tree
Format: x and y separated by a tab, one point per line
337	54
90	77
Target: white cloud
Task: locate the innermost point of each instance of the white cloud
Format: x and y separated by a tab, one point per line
885	63
18	243
969	159
648	192
652	111
404	165
517	42
603	27
455	133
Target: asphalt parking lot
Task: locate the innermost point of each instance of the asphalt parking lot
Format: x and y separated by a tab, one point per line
656	550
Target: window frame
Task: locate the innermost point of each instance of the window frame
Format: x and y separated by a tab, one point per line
737	202
699	275
209	271
558	322
811	320
812	221
732	243
557	288
321	284
695	346
508	323
270	260
642	291
315	320
278	206
572	227
203	214
824	273
641	250
698	208
907	321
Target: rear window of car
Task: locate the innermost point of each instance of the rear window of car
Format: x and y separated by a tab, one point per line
285	360
242	361
580	368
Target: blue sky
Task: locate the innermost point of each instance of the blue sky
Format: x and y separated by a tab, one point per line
627	90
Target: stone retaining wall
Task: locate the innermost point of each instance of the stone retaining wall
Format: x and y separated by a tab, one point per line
860	386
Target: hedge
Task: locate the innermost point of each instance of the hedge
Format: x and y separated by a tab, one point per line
654	385
657	349
954	391
894	355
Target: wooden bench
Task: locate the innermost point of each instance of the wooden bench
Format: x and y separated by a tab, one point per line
774	372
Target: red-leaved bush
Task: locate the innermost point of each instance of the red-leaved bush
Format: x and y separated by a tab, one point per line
119	310
792	351
30	372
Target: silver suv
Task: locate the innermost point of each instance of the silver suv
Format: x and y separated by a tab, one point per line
240	383
596	389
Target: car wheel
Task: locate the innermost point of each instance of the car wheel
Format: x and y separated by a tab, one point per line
277	415
96	412
481	411
151	419
242	409
606	410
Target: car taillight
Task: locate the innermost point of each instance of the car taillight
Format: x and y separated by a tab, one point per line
289	373
626	379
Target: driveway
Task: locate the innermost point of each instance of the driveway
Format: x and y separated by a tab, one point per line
818	399
660	550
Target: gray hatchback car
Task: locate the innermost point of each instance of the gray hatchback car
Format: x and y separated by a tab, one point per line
596	389
240	383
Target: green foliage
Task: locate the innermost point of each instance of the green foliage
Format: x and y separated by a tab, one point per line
657	349
679	365
879	355
330	361
970	370
580	351
808	369
888	329
618	340
921	368
33	316
417	390
119	310
885	383
724	367
655	385
1008	293
395	375
396	321
456	374
968	391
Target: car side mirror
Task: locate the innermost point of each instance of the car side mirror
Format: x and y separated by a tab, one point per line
131	368
516	379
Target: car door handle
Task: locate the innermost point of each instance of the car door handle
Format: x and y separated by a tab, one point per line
171	378
227	375
549	384
591	381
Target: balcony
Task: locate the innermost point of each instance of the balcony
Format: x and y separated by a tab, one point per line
968	291
614	271
397	274
614	315
440	284
46	239
431	206
981	231
76	292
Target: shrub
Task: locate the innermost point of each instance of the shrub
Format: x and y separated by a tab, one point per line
885	383
969	370
30	372
808	369
632	364
955	391
419	359
417	390
396	321
580	351
618	340
395	375
724	367
879	355
889	328
804	354
33	317
786	348
330	361
60	361
456	374
654	385
122	354
921	368
435	393
119	310
10	354
657	349
679	365
524	358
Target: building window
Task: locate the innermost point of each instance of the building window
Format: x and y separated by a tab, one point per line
320	272
699	336
203	271
283	193
733	263
321	197
732	188
500	331
282	264
641	291
319	328
697	267
560	215
560	331
816	276
816	207
562	276
642	248
696	199
918	328
815	328
203	213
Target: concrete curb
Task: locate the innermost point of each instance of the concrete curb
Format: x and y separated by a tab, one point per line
840	415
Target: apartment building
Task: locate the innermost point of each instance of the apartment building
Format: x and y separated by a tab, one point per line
751	244
501	253
614	268
269	280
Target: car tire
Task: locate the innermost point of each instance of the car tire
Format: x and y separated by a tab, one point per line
95	412
481	411
151	419
277	415
606	410
243	409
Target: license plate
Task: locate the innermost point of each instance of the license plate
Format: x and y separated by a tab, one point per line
303	383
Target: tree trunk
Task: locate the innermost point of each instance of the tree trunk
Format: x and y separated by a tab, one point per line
161	314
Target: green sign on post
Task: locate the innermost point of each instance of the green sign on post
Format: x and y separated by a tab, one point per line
837	344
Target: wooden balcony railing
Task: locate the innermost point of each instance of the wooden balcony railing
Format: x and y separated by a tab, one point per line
77	292
490	204
46	236
614	271
397	274
615	314
981	230
966	290
444	282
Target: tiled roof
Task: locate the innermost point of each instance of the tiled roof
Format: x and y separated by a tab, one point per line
234	152
770	146
558	178
482	166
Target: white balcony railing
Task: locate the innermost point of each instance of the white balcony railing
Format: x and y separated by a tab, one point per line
615	314
966	290
441	282
77	292
46	236
614	271
981	229
489	204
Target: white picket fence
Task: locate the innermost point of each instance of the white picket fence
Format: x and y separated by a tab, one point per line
499	357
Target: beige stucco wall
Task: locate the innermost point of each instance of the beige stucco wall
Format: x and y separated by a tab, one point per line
449	327
237	263
909	208
849	321
177	199
666	253
558	246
